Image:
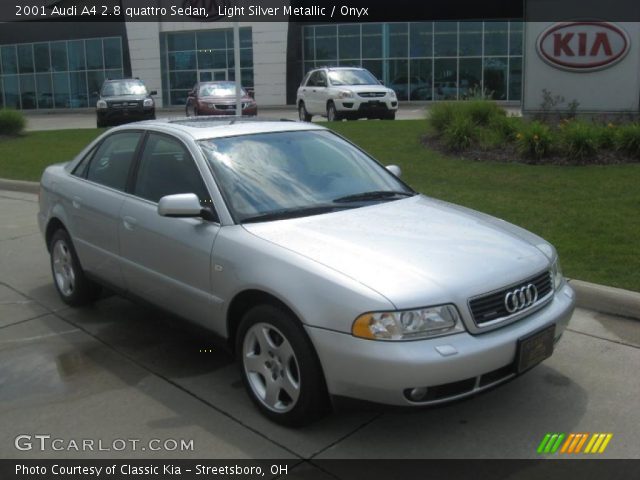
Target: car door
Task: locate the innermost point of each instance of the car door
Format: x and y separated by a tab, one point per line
167	260
319	93
95	199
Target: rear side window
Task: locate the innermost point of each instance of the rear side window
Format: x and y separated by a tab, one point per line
111	163
166	168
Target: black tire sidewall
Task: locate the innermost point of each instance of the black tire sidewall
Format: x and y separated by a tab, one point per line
313	400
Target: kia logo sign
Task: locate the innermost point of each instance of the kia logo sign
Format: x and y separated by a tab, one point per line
583	46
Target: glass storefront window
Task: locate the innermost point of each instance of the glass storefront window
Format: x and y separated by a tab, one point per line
470	39
78	97
9	59
61	90
112	50
421	39
94	54
59	57
425	60
496	38
445	39
495	77
45	91
25	58
28	91
76	55
11	89
189	57
445	79
41	57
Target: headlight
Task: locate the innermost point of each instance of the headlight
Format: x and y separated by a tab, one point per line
409	324
345	94
556	271
148	102
392	94
101	105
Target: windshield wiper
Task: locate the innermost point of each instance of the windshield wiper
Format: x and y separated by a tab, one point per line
374	195
286	213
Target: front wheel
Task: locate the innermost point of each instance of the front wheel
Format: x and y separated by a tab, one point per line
332	113
389	116
74	287
279	367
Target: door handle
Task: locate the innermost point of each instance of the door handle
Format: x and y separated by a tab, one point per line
129	222
76	202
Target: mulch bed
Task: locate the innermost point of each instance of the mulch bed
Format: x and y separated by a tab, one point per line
508	153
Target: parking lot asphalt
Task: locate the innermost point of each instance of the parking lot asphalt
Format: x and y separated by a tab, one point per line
87	119
118	370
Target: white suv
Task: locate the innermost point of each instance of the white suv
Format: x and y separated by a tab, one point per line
344	92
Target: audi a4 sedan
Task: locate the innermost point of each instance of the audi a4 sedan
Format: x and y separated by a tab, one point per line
325	274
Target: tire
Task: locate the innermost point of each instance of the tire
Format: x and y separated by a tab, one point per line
279	367
389	116
100	123
303	115
332	113
72	285
194	111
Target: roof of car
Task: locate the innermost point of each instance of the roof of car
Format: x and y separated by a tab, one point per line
202	128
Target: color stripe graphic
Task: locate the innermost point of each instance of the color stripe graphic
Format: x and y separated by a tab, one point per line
573	443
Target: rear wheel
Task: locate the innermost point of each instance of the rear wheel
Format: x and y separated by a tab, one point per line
70	280
332	113
303	115
279	367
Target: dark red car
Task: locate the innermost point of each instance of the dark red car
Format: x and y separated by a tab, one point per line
218	98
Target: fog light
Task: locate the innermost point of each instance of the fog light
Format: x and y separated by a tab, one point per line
417	394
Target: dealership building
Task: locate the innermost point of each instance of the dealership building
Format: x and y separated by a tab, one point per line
52	65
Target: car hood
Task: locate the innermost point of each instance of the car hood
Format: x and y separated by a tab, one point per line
364	88
416	251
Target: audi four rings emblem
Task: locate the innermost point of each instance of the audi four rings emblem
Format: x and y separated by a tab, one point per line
521	298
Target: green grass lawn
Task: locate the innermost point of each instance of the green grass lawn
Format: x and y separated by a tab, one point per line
591	214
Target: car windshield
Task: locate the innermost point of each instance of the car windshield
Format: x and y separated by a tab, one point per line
226	89
127	87
352	77
286	174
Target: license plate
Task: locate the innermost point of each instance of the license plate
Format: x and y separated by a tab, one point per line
535	348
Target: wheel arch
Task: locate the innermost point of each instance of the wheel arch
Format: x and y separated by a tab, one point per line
53	226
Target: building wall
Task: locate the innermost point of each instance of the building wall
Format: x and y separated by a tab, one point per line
614	89
269	54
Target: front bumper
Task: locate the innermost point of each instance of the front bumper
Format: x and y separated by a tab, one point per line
381	372
250	111
364	107
124	115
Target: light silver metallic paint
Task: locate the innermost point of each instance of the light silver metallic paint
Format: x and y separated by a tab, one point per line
328	269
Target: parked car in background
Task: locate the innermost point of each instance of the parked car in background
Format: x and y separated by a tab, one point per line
218	98
326	274
344	92
124	100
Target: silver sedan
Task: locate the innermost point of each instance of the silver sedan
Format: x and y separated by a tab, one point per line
325	273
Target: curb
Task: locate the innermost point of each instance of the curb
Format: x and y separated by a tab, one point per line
19	186
600	298
609	300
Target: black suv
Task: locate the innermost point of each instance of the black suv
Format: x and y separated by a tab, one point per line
124	100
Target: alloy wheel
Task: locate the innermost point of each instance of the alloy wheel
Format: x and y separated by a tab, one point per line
63	268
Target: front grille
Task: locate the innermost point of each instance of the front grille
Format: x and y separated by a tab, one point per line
228	106
490	307
124	105
371	94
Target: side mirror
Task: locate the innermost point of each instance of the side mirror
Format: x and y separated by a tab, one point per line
181	205
153	92
395	170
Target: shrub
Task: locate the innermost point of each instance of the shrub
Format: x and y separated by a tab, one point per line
535	140
606	136
460	133
579	139
12	122
483	111
627	139
506	127
441	114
